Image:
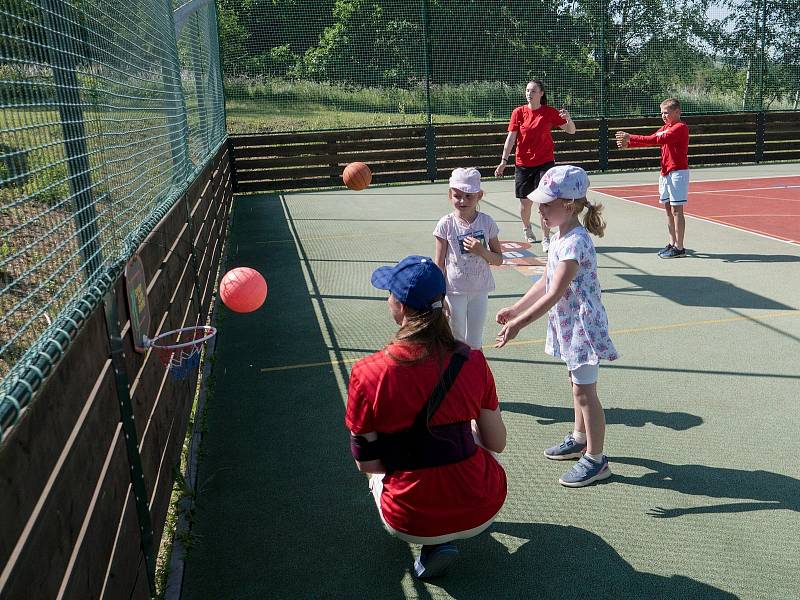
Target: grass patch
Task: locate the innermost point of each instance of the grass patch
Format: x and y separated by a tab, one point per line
183	496
129	165
260	105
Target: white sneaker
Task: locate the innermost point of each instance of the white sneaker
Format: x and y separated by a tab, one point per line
529	237
545	244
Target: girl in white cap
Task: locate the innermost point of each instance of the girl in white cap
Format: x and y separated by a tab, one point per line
577	328
466	244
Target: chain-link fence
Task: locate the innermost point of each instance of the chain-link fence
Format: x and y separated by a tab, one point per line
108	109
325	64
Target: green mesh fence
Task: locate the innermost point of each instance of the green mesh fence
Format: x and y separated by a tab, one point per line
322	64
108	109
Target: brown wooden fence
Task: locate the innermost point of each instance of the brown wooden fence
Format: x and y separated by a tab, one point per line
69	523
265	162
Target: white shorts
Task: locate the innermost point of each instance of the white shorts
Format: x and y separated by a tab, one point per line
674	187
585	374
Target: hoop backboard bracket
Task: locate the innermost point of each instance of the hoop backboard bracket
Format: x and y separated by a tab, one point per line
136	294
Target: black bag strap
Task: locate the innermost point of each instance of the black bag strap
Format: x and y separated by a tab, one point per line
460	356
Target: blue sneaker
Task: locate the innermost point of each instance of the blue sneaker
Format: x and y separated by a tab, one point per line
666	249
674	253
567	449
434	560
586	471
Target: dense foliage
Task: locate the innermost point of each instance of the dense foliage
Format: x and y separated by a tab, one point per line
717	55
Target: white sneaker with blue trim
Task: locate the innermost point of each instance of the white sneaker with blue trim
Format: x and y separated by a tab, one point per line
586	471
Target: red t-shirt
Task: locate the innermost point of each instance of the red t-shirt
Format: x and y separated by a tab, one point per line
674	142
534	140
385	396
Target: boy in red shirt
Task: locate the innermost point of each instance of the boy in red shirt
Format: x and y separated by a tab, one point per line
673	184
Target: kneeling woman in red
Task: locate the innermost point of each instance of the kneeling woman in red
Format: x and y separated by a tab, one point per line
424	421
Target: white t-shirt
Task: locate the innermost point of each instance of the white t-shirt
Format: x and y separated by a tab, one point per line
577	327
466	273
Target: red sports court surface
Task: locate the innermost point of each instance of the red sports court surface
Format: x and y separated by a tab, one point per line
768	205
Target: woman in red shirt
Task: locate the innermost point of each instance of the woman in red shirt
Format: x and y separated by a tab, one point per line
430	456
531	128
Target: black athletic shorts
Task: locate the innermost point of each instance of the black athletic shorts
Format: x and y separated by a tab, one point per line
526	179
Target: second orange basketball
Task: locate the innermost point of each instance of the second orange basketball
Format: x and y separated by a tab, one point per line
357	176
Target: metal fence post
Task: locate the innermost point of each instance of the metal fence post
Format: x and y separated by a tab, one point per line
763	55
122	384
760	129
602	143
63	60
200	90
760	116
602	133
175	106
430	134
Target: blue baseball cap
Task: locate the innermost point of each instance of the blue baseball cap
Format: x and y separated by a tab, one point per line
415	281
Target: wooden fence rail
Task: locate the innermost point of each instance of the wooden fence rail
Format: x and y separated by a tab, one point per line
69	524
284	161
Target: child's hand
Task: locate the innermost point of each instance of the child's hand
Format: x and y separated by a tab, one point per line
564	114
498	172
623	139
474	246
446	308
504	315
507	333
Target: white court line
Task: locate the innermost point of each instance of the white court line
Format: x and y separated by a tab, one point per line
774	187
705	180
755	215
706	219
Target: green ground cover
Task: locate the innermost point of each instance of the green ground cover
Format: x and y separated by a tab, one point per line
698	506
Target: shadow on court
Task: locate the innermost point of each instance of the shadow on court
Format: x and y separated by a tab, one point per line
281	511
697	291
748	258
632	417
728	257
764	489
542	561
645	369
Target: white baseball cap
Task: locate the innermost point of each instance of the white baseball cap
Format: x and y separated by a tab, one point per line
466	180
564	181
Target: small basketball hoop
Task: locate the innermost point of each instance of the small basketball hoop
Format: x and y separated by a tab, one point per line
179	349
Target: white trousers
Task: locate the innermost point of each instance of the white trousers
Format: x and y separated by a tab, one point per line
376	487
468	316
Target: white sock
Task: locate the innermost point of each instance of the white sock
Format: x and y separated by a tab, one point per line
579	436
596	458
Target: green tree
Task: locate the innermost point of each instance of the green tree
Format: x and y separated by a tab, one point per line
370	43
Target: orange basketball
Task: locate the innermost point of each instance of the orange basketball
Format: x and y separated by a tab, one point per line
357	176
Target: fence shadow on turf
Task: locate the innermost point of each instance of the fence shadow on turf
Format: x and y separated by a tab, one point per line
281	511
632	417
764	490
728	257
748	258
527	560
697	291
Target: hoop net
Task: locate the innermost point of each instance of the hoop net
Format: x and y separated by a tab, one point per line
179	350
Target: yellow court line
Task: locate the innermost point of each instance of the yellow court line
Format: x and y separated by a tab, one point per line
788	313
324	363
338	237
347	361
